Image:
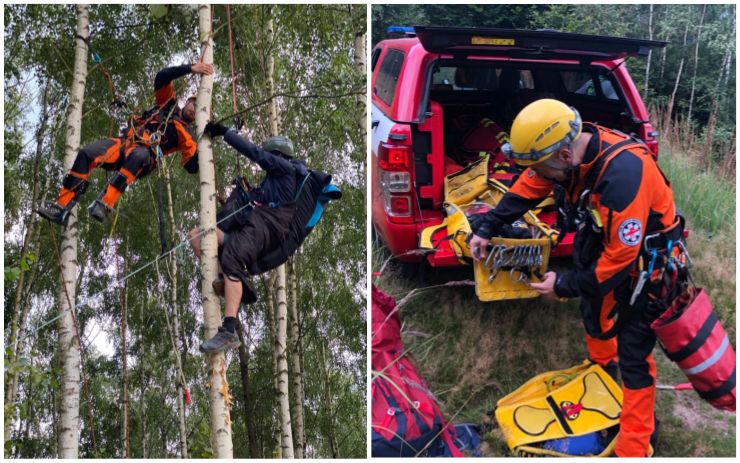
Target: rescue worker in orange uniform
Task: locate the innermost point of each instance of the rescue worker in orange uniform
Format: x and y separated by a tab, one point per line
617	196
134	154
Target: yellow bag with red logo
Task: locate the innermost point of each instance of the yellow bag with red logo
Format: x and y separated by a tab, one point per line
571	412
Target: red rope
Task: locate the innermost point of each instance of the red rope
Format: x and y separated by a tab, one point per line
231	56
233	79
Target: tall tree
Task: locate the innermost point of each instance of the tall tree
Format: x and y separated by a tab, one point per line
696	61
650	54
281	297
30	243
297	363
218	393
67	330
672	99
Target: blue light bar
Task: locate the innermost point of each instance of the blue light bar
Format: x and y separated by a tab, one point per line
402	30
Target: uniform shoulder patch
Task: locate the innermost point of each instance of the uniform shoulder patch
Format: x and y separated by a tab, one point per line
630	232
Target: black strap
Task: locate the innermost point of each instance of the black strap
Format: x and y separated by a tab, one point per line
718	392
698	341
559	415
595	170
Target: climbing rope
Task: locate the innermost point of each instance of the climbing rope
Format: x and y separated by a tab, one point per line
233	79
181	244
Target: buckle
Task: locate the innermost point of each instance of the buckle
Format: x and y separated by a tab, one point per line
648	238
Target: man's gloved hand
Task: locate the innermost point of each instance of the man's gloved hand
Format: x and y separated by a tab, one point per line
238	123
214	129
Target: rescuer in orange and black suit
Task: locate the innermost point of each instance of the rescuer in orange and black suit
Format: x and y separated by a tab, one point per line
617	196
134	154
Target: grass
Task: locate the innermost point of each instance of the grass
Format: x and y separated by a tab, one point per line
482	351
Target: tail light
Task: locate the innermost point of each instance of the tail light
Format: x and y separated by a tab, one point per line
397	205
395	182
395	162
393	157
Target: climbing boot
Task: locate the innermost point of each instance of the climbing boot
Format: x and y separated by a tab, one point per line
55	213
99	210
223	340
218	286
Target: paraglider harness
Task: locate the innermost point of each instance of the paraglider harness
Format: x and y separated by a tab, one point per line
314	191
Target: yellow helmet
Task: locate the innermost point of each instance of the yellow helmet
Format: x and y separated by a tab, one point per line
540	129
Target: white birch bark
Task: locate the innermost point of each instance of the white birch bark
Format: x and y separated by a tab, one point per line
361	65
281	297
172	272
297	368
219	396
696	62
68	343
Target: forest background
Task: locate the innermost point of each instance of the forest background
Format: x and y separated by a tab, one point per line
474	353
134	395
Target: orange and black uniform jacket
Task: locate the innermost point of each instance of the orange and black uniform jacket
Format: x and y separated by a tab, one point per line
629	193
176	135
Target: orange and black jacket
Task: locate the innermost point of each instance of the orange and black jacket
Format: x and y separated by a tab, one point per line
629	193
175	134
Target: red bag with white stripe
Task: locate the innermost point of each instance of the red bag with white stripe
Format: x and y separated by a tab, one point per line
693	337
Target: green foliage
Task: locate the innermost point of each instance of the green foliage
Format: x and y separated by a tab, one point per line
313	51
714	82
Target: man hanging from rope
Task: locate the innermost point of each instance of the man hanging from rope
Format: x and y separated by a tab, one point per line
160	131
251	223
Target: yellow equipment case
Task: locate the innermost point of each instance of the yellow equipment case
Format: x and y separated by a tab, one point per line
511	262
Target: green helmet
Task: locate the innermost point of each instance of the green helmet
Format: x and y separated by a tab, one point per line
279	143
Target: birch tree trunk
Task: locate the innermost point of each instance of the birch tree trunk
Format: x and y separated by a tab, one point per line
297	367
696	62
712	122
361	66
20	304
650	54
281	296
125	435
328	408
68	342
247	393
272	330
672	99
218	393
175	334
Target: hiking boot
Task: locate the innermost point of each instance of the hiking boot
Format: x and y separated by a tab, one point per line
223	340
99	210
218	286
55	213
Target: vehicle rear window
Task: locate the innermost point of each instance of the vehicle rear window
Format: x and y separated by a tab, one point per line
582	83
481	78
390	68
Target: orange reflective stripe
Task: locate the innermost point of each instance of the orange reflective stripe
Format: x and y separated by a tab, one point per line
130	177
79	175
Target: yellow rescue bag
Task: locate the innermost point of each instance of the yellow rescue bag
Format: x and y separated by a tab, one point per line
511	262
579	401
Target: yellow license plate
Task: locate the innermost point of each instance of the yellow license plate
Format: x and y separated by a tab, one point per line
492	41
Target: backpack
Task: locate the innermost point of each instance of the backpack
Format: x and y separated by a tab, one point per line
314	192
406	421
